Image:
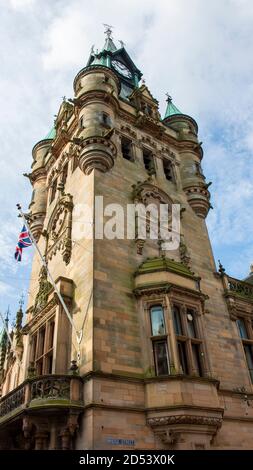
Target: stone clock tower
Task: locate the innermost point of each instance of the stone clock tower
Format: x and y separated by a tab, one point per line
165	358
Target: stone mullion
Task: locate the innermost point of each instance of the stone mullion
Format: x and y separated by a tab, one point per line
183	311
148	333
172	337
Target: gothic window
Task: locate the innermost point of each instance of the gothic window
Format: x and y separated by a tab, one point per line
42	344
127	149
148	160
53	190
159	340
168	171
189	343
246	334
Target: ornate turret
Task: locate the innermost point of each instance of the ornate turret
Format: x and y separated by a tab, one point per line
97	87
37	178
193	179
185	125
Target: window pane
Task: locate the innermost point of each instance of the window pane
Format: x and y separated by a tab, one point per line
33	348
191	323
41	341
177	321
51	335
161	357
126	148
196	359
148	161
249	359
182	357
242	328
157	321
49	364
167	167
39	367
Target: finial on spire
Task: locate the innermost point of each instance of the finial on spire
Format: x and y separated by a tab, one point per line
7	316
21	301
251	268
143	81
108	30
169	99
221	268
92	49
122	43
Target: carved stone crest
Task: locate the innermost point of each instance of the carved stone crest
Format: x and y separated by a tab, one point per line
59	229
44	288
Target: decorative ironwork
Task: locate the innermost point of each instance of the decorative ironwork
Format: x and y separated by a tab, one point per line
240	287
12	402
51	387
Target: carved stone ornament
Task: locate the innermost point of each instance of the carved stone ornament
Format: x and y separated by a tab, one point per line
97	153
147	193
42	296
184	254
165	427
231	303
185	419
59	229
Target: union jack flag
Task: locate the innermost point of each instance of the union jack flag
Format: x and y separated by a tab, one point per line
23	242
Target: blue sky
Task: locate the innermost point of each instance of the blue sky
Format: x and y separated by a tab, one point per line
198	51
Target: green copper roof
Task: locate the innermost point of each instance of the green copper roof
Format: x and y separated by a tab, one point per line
109	45
51	134
164	264
171	109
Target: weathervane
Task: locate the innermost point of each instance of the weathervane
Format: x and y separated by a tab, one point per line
168	97
122	43
108	30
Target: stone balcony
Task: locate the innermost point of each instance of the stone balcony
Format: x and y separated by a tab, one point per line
238	295
58	397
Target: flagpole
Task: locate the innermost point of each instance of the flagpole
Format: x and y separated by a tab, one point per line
10	339
65	308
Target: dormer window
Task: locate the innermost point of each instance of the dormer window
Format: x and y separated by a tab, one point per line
127	149
148	161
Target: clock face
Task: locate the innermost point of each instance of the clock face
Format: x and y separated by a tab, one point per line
121	68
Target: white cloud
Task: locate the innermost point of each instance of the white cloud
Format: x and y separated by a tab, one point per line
20	4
